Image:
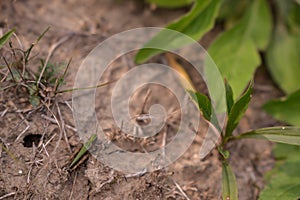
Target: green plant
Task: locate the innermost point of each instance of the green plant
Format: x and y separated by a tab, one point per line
283	180
21	75
251	32
167	4
249	29
42	85
235	111
6	37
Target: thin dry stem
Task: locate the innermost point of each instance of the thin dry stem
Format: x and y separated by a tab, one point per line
181	190
63	126
51	51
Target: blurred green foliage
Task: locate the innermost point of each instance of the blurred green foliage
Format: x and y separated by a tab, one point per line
251	31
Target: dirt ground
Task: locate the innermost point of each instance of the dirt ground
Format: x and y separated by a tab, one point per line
39	171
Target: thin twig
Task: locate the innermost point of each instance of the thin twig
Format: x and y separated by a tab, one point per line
28	175
163	145
145	101
44	147
18	40
181	190
4	112
21	134
137	174
73	185
7	195
85	88
69	106
28	51
63	126
12	75
7	87
21	47
53	121
4	76
57	82
60	130
49	140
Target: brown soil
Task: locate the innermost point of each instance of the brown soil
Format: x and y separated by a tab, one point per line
39	171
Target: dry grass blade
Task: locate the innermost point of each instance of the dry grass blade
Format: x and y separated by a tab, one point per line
62	77
86	88
27	53
51	51
7	195
9	68
181	190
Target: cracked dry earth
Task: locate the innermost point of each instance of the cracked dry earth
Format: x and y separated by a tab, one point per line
36	150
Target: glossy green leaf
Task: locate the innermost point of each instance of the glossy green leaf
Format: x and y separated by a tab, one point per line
286	135
238	110
283	60
206	108
6	37
195	24
229	96
171	3
285	109
229	185
284	178
235	51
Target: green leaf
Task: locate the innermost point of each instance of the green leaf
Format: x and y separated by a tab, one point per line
6	37
283	60
286	151
261	24
236	57
238	110
286	135
206	108
195	24
294	18
171	3
203	103
289	14
235	51
231	18
229	96
35	100
229	186
84	149
223	152
286	109
284	178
